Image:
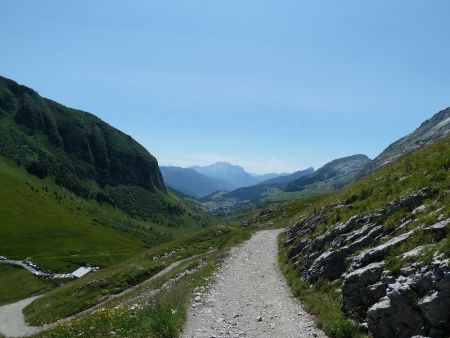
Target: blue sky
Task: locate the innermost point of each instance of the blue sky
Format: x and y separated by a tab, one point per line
269	85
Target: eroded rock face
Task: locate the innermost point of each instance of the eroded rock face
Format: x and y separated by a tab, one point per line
379	252
361	288
414	304
412	301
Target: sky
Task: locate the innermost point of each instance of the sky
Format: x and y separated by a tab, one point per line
273	86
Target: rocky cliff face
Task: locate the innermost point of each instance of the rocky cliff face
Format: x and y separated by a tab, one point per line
386	242
436	128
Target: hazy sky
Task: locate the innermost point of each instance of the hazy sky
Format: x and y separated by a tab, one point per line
270	85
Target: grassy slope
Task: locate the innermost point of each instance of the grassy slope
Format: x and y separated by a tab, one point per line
91	289
55	232
61	231
16	283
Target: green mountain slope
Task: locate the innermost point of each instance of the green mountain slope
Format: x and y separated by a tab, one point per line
83	154
55	228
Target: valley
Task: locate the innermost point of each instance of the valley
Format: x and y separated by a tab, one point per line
214	250
224	169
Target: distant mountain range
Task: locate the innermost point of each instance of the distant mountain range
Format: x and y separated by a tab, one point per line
233	174
265	188
331	177
228	179
225	182
201	181
286	178
191	183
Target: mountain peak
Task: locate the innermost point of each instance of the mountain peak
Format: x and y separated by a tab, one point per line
231	173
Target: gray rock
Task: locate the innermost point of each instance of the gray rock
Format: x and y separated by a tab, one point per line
419	209
395	316
360	289
418	304
440	226
330	265
379	252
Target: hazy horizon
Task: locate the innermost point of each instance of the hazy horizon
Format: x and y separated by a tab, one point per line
272	87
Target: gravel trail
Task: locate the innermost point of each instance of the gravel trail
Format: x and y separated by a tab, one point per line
250	298
12	321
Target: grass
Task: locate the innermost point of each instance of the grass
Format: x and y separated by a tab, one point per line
164	315
322	300
17	283
85	292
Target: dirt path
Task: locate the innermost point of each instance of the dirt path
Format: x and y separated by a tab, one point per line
250	298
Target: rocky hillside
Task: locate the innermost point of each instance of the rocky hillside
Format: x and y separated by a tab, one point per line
332	176
189	182
436	128
384	246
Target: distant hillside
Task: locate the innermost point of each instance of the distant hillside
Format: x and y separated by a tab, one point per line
436	128
264	189
269	176
285	179
191	183
233	174
332	176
